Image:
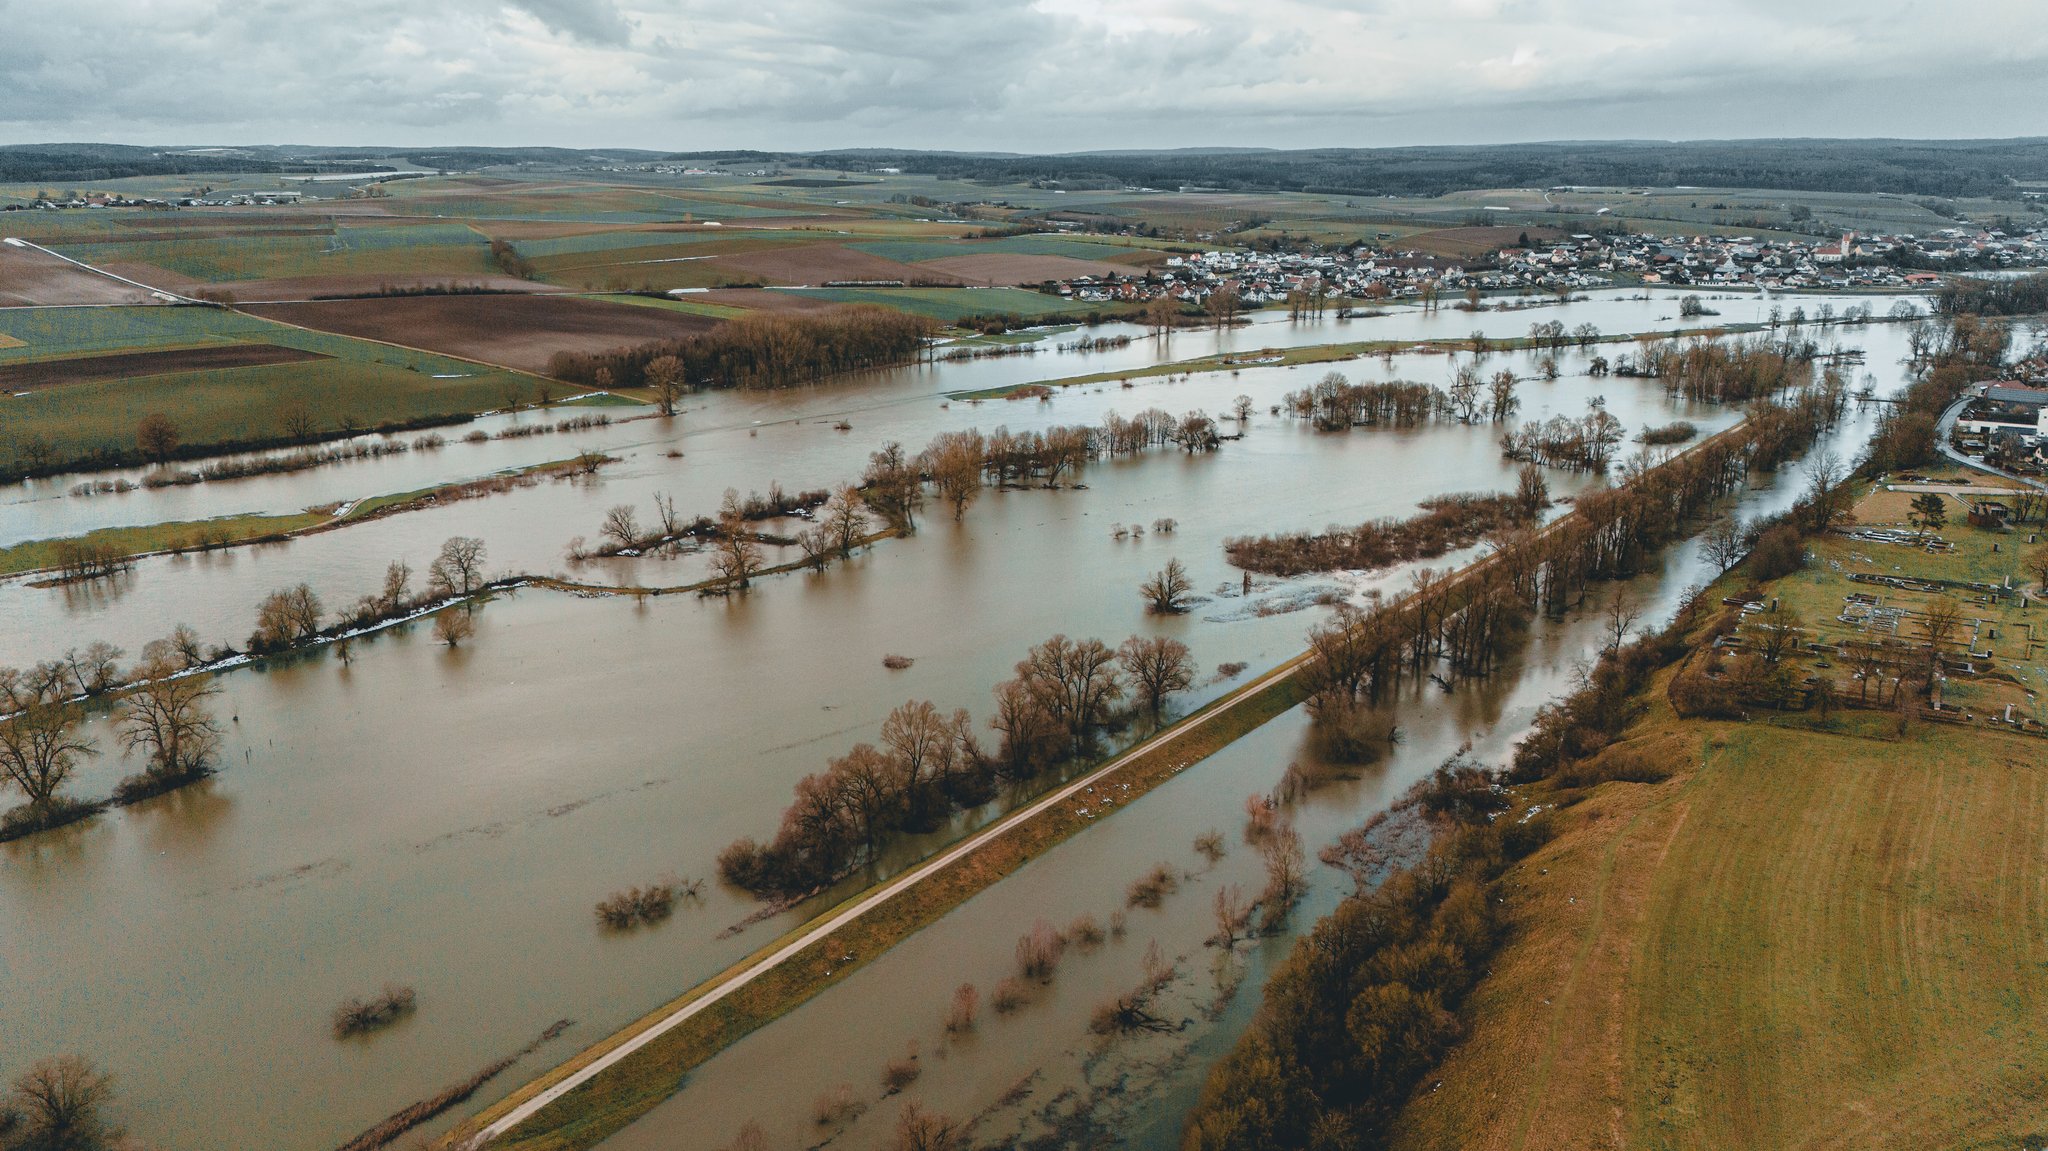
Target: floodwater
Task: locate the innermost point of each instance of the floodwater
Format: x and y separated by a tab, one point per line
1039	1073
447	819
738	440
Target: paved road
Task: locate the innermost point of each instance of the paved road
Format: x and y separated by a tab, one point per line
1946	425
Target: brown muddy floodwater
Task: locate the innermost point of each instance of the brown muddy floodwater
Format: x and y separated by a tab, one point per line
447	819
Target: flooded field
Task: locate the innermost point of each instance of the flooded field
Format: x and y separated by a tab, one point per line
447	818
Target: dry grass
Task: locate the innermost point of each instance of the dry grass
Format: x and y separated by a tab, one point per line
1815	939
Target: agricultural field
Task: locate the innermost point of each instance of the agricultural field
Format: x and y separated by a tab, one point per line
80	379
1820	928
517	331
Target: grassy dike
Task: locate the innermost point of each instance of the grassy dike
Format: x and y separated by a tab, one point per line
1323	354
623	1092
134	543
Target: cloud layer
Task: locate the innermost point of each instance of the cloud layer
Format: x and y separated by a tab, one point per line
1031	75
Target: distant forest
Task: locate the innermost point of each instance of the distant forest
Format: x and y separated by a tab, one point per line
1949	168
1918	167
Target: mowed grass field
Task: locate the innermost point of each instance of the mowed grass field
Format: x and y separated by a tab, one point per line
1809	936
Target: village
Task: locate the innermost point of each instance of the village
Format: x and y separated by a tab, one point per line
1580	261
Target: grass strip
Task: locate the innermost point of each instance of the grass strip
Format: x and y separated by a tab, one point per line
130	542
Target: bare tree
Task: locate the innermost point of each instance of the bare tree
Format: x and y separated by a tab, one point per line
1941	621
622	526
1158	666
1778	630
1620	614
286	617
1241	407
156	437
665	379
167	719
56	1104
1825	494
453	625
891	485
954	462
738	558
918	1129
665	512
96	668
39	749
1725	543
396	593
1233	916
846	522
1166	591
459	569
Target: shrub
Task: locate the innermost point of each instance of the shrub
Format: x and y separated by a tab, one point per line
1779	552
1084	931
1039	951
635	905
837	1106
1152	888
897	662
1351	734
359	1017
966	1005
1010	993
900	1073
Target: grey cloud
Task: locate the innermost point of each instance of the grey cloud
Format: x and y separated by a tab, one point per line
1049	75
595	21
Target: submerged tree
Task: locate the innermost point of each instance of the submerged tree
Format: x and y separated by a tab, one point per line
1166	591
167	718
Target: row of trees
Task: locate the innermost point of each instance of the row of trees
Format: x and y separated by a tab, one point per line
162	714
929	765
1446	523
761	351
1465	623
1585	444
1334	403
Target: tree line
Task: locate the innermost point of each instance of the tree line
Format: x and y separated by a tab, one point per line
930	765
758	351
1367	1004
1447	522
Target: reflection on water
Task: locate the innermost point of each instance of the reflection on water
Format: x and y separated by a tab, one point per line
448	818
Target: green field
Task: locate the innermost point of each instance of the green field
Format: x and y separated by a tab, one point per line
243	406
361	385
950	304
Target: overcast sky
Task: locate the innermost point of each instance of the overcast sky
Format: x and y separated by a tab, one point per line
1013	75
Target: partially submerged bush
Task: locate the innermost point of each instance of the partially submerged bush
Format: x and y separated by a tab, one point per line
965	1006
1010	993
360	1017
1039	951
1351	734
637	905
1209	845
900	1073
897	662
1084	931
1152	888
837	1106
